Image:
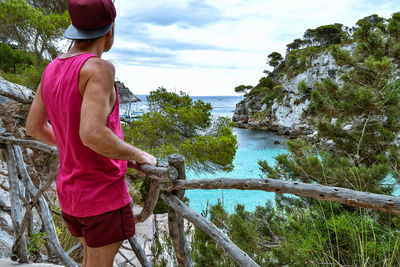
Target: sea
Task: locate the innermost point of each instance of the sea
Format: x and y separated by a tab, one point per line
253	145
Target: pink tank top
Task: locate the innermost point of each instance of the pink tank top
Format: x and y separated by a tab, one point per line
88	184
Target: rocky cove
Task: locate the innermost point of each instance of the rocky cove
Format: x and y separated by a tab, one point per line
288	115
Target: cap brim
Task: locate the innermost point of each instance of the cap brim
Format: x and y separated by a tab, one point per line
76	34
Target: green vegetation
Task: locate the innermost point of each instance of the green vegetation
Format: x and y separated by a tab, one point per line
356	147
177	124
274	59
300	52
20	67
301	232
326	35
35	243
267	90
299	60
242	88
29	38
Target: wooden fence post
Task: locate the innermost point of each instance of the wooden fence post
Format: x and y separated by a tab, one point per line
16	205
43	209
137	249
175	220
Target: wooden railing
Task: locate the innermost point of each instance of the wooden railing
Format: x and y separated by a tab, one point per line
171	181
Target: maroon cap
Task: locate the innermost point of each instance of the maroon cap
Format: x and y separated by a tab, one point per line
90	18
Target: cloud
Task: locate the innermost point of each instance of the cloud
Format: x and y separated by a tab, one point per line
189	59
148	36
144	40
216	45
142	57
185	14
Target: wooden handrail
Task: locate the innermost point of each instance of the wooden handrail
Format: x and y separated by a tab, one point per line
389	204
29	143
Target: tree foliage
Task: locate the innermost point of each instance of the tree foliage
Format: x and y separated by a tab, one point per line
20	66
289	233
11	58
29	37
296	44
50	6
326	35
243	88
177	124
34	28
274	59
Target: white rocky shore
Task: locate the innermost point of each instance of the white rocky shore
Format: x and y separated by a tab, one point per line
287	116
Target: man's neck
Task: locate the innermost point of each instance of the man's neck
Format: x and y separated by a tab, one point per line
94	47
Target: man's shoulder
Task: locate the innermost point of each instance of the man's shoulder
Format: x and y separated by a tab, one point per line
96	71
95	65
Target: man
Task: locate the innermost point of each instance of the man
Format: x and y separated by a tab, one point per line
78	96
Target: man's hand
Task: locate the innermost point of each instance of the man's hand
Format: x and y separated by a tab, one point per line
146	158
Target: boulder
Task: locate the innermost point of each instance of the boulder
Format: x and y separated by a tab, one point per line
125	95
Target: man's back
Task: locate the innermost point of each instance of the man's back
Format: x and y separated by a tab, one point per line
88	183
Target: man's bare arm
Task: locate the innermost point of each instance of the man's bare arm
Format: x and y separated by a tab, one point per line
37	123
98	101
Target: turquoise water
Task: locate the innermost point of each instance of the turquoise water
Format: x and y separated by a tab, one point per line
253	145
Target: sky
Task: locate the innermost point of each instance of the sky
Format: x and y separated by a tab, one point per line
210	47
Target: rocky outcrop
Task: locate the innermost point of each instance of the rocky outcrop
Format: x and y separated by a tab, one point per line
288	116
125	95
15	91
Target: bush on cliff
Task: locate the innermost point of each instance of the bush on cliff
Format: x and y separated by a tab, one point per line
356	147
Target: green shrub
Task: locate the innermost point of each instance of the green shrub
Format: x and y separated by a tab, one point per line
11	58
19	66
297	232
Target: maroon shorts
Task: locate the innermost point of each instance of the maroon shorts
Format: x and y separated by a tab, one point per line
103	229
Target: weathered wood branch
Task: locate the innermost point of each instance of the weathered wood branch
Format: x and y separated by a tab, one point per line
4	206
126	121
137	249
159	173
126	259
16	97
240	257
44	212
74	248
154	172
150	203
16	205
175	220
29	143
345	196
51	176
